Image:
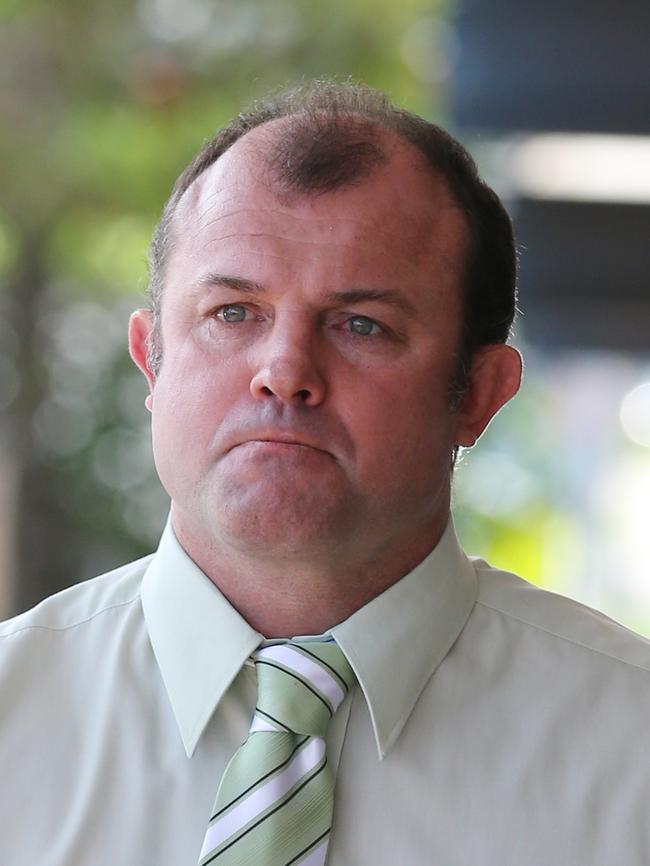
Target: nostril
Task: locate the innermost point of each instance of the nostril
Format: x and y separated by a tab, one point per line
284	381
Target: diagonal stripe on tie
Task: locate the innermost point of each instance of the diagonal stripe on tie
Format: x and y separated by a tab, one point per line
323	661
303	814
314	853
303	682
271	773
274	804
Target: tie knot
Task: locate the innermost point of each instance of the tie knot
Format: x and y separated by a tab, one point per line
300	685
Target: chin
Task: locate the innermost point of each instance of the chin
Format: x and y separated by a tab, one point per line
281	524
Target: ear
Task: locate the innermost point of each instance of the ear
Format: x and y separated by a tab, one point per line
140	327
494	378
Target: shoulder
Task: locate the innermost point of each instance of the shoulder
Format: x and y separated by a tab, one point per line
79	604
565	627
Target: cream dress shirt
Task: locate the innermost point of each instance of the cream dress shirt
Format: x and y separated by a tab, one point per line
494	724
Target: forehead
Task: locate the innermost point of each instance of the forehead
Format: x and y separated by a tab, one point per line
401	215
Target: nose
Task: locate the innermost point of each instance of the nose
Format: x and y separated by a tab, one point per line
288	366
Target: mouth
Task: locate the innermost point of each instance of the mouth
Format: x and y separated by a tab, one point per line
280	443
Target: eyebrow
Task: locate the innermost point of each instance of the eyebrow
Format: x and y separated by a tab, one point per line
391	297
213	281
385	296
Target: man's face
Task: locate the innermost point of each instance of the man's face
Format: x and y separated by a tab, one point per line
302	403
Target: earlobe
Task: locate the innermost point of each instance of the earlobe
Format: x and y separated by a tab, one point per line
140	326
494	379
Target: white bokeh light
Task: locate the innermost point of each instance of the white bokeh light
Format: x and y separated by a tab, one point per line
635	415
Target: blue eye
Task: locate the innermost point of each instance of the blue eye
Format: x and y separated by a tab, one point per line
363	326
232	313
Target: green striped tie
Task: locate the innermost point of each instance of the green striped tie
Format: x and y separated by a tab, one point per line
274	804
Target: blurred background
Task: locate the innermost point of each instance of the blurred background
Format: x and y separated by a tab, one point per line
103	104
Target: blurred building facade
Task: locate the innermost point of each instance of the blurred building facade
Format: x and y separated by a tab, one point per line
553	98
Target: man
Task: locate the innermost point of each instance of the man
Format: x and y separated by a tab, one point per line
332	291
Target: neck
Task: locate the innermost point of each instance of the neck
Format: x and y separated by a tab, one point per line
281	596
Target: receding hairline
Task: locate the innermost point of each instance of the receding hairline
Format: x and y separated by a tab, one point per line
261	139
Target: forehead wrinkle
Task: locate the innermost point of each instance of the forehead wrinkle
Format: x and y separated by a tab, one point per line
326	223
316	220
282	213
415	250
343	245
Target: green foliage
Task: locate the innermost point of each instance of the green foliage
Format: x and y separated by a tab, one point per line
101	106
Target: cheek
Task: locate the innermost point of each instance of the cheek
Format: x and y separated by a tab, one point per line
406	419
188	408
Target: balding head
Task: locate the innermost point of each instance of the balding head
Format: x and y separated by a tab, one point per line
332	136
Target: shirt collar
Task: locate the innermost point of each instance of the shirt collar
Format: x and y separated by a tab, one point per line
201	642
395	642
